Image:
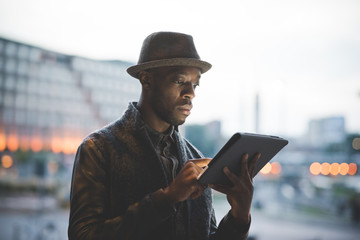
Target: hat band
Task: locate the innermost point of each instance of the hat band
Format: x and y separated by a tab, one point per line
186	62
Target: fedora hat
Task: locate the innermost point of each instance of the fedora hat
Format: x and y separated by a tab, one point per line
167	49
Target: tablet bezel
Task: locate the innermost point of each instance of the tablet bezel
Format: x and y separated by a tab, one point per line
231	153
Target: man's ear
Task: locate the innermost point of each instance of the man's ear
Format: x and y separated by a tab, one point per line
145	78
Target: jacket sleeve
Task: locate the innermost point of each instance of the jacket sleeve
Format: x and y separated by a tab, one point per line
89	203
228	229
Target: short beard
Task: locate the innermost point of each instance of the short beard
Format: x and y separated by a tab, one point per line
169	118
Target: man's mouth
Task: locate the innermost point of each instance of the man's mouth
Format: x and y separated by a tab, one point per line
186	109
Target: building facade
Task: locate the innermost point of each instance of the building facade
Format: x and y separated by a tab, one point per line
50	101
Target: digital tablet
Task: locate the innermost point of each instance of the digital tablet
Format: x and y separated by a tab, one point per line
231	154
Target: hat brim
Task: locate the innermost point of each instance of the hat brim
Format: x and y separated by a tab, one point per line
173	62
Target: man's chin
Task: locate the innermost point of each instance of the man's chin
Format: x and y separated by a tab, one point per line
176	122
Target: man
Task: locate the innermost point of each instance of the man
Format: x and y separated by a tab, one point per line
132	179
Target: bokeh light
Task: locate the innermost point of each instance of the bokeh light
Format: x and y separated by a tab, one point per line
12	142
2	142
6	161
315	168
266	169
356	143
344	168
352	169
275	168
334	169
325	168
36	144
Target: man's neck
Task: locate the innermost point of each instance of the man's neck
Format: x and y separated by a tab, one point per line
151	118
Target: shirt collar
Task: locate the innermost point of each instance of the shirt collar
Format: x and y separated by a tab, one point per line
155	136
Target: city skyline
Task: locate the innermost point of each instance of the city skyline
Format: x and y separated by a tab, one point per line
301	58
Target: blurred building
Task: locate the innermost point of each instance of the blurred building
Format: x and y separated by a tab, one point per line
325	131
49	101
207	137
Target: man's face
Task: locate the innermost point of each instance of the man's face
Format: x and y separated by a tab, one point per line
172	92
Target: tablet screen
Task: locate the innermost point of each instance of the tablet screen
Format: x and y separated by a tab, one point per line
230	155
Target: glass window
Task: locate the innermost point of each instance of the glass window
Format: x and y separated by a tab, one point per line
1	81
8	99
10	82
32	102
32	85
21	84
35	55
31	118
10	65
10	49
23	68
44	71
2	44
43	87
23	52
2	62
8	115
43	119
20	101
20	116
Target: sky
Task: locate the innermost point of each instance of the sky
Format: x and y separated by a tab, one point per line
302	58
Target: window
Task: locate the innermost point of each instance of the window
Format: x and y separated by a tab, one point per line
10	65
1	81
20	116
23	52
35	55
8	115
2	62
9	99
10	49
21	101
21	85
2	44
10	82
23	68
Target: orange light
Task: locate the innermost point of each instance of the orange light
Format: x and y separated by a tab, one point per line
6	161
275	168
325	168
24	143
352	169
36	144
344	169
46	144
334	169
266	169
12	142
315	168
56	144
68	148
2	142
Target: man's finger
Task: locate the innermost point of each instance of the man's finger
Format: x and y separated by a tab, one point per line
231	176
244	165
252	164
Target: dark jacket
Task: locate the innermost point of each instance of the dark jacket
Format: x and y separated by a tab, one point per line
115	171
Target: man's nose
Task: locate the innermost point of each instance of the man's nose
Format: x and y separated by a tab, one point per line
189	90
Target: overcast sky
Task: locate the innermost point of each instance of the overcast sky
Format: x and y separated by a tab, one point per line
302	57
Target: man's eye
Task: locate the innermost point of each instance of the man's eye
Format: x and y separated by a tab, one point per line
179	82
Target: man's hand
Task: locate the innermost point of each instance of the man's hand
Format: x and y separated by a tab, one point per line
240	194
185	184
